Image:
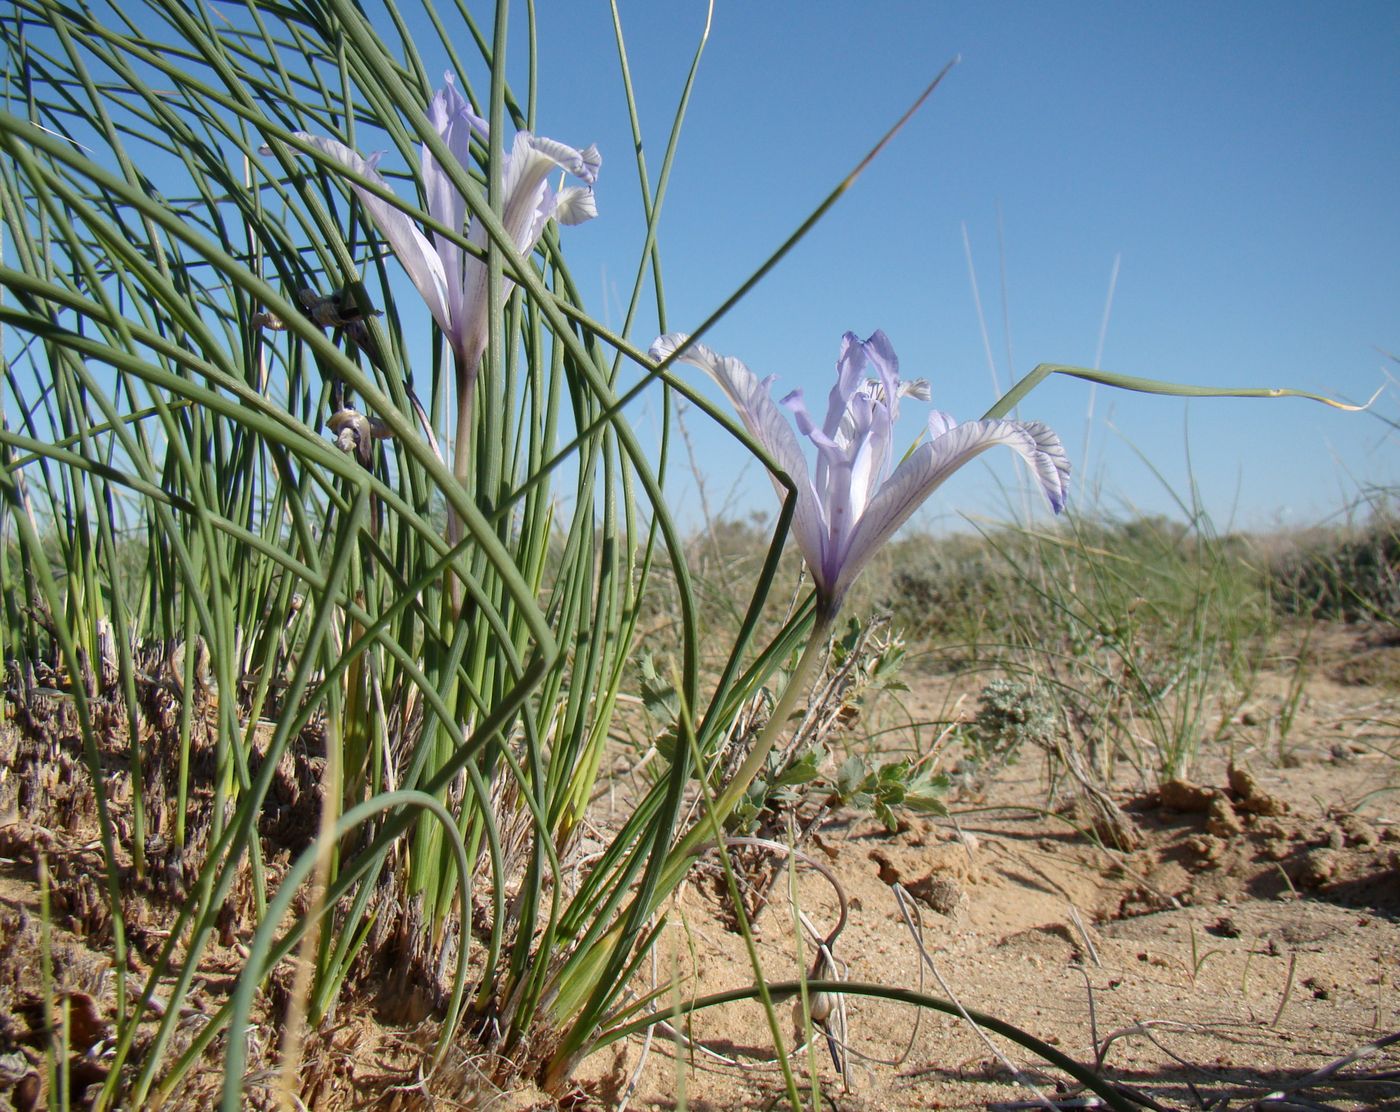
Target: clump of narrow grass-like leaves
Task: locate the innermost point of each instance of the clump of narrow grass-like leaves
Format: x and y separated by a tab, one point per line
223	437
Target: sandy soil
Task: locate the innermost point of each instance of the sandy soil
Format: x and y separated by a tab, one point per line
1251	940
1195	968
1239	957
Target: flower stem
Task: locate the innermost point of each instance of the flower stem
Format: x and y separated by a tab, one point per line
461	465
754	763
569	998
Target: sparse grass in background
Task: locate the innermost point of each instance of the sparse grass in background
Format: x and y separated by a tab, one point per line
1147	634
1132	642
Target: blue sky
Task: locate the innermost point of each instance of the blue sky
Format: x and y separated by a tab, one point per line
1237	166
1240	163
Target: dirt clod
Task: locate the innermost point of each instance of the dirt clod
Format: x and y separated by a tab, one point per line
1182	795
1207	850
1357	831
1224	927
1253	798
1318	867
1221	818
941	893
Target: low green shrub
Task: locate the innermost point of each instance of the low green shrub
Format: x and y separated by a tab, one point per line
1350	574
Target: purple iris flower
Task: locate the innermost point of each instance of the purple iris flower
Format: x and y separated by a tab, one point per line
853	502
451	279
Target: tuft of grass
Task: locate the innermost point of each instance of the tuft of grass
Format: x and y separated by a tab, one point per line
1146	633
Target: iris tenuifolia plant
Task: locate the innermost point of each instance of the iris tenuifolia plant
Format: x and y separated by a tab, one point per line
847	504
223	499
448	262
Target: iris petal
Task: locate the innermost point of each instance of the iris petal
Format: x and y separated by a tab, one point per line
412	248
932	463
765	423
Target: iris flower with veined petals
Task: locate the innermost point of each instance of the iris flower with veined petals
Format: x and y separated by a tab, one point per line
451	279
851	503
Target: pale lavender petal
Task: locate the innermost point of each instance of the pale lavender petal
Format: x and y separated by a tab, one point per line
885	411
767	425
880	352
453	119
524	186
1051	463
838	505
850	375
926	469
583	165
838	518
872	447
795	404
939	423
529	201
447	108
575	205
528	205
591	161
412	248
472	320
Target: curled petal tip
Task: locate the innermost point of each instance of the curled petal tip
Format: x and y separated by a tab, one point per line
1052	464
575	205
664	347
940	423
592	162
878	344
